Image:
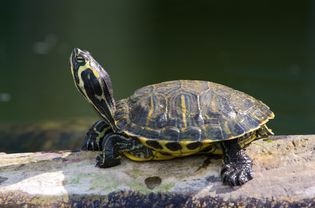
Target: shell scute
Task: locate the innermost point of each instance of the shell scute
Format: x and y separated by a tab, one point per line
191	132
214	133
170	133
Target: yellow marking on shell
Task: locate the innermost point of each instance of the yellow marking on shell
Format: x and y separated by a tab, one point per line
135	158
247	141
267	130
215	149
184	151
184	110
271	116
150	111
227	130
160	156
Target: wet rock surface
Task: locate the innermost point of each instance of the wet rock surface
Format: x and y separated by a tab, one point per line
284	168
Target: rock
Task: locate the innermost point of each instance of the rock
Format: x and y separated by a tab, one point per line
284	169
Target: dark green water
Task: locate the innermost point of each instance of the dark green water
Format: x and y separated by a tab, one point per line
265	49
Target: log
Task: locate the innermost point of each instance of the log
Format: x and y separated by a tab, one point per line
284	169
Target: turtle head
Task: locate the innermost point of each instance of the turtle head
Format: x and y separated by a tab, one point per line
94	83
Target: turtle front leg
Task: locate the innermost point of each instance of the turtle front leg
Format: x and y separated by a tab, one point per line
95	135
237	168
113	144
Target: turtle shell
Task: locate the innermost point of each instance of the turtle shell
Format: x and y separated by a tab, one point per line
188	110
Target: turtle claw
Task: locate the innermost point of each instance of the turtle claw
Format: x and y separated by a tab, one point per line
94	137
236	174
101	162
90	143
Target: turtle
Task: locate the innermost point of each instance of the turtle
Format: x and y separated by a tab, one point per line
170	119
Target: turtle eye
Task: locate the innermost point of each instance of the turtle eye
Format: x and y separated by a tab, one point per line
80	59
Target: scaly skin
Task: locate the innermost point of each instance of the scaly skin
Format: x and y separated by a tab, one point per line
237	168
94	137
114	144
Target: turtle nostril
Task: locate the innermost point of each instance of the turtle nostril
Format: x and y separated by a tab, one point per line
75	51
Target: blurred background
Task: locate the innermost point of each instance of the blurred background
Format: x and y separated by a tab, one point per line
263	48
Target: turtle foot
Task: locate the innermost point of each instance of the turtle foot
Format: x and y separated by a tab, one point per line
236	174
101	162
94	137
90	143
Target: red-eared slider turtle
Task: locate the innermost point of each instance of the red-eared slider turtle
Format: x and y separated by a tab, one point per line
170	119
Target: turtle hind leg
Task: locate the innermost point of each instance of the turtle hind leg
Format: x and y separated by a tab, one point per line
93	138
237	168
